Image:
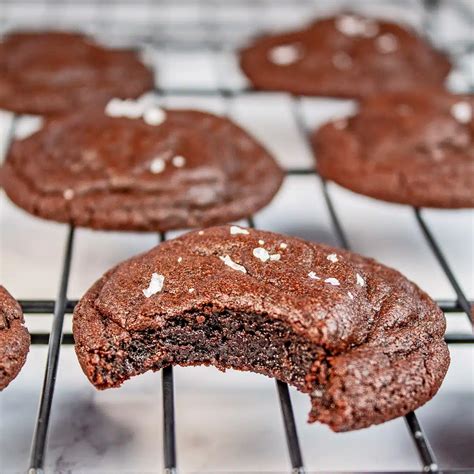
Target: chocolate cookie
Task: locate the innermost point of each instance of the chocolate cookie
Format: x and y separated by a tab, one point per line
344	56
135	166
364	342
53	72
14	338
413	148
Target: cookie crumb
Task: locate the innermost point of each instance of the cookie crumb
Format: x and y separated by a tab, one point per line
200	319
201	232
275	257
283	246
261	242
235	230
230	263
351	296
462	112
261	253
156	285
332	281
191	290
180	259
285	54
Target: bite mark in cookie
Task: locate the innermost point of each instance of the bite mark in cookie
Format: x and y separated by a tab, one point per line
364	342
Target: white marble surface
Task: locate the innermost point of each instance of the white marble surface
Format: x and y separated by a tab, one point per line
229	422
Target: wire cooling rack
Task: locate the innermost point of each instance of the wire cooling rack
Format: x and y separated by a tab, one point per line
219	38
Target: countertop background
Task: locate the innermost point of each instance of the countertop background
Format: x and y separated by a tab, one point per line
230	422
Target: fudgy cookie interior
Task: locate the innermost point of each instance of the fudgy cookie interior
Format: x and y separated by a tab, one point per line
226	339
362	340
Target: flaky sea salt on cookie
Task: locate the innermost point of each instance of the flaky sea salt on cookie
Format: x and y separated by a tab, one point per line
132	165
361	340
346	55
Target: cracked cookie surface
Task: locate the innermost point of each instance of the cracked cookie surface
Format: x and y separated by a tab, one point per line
412	148
135	166
14	338
364	342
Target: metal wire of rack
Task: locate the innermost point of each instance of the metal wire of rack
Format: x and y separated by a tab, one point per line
62	305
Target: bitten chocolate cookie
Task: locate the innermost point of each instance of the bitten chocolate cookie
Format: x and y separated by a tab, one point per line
135	166
14	338
344	56
54	72
413	148
364	342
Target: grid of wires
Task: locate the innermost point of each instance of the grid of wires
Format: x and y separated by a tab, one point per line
214	42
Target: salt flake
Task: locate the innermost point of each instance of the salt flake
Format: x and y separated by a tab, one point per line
123	108
157	165
178	161
462	112
261	254
386	43
317	393
351	296
156	285
68	194
230	263
275	257
235	230
332	281
351	25
360	280
283	246
154	115
313	276
332	257
285	54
